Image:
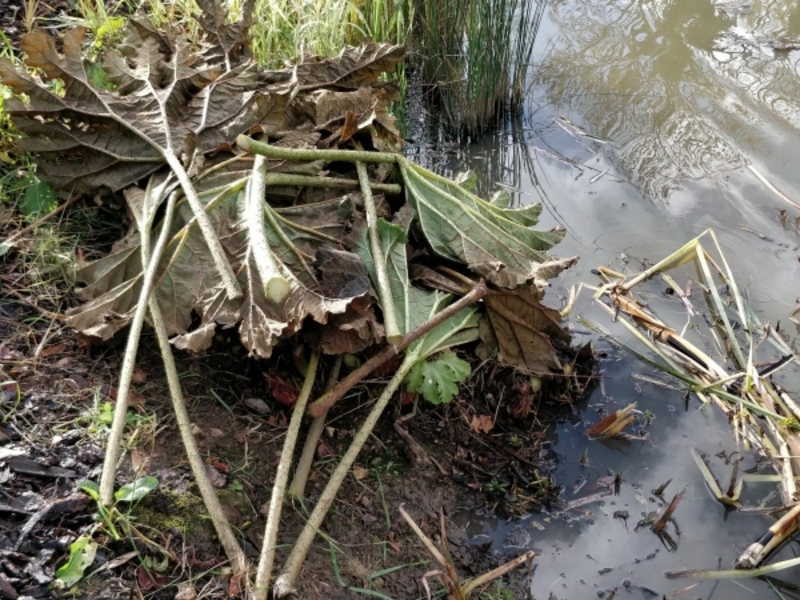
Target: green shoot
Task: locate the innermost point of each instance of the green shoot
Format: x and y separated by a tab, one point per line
437	380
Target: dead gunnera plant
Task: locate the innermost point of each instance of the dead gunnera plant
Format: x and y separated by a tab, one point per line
474	57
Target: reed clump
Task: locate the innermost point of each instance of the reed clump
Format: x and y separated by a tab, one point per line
474	57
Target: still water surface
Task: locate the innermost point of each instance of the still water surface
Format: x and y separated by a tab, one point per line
645	118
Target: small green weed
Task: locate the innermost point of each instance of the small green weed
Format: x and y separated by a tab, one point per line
495	487
96	421
501	594
110	521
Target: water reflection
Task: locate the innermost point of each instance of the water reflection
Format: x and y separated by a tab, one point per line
678	105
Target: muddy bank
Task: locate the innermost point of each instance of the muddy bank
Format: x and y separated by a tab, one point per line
438	460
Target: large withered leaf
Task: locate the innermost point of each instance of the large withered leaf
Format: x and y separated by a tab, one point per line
187	285
352	68
494	241
522	330
229	38
156	93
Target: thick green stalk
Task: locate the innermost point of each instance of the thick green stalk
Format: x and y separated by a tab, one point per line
209	235
276	286
331	183
215	511
298	488
393	334
254	147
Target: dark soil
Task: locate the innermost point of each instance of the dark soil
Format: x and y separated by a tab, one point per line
57	424
15	22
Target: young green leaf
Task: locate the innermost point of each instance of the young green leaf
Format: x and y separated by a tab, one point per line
5	247
81	555
437	380
91	489
39	198
136	490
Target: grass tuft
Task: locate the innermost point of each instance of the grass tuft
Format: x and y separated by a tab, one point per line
475	56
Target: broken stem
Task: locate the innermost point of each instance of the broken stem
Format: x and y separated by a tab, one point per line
287	580
267	559
150	264
327	400
276	286
298	488
393	334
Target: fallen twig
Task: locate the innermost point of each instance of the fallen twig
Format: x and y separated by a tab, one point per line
324	403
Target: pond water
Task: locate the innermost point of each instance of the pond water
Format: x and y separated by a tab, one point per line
648	123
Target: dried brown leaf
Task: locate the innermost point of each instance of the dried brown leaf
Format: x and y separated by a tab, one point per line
352	68
117	120
481	424
187	285
522	330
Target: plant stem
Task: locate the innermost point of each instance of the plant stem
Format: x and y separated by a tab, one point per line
224	268
332	183
232	549
149	264
276	286
264	573
286	581
298	487
393	334
324	403
250	145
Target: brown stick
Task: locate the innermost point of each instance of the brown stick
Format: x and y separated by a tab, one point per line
327	400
